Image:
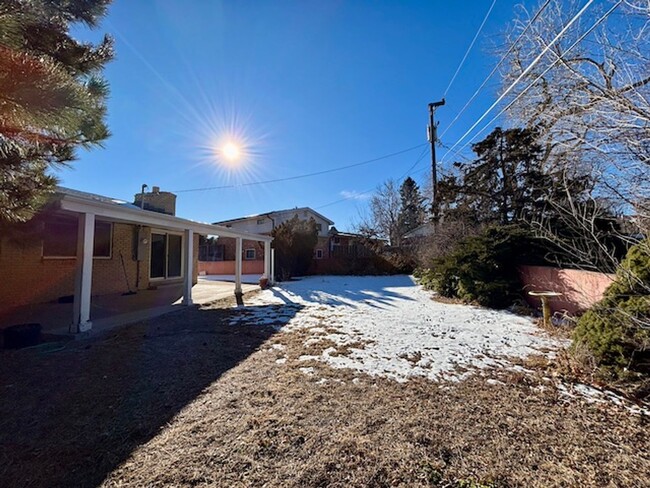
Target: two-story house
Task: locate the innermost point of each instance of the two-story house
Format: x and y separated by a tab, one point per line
216	256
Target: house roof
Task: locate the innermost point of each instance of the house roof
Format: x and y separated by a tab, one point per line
115	209
424	230
276	212
61	190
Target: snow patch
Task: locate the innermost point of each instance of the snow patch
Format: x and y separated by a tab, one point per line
388	326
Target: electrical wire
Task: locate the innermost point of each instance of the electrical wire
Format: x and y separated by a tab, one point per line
306	175
471	45
534	82
524	73
496	67
357	195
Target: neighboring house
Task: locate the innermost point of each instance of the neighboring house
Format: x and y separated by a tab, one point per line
83	244
425	230
349	245
218	255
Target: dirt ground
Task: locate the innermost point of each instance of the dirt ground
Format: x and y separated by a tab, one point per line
186	400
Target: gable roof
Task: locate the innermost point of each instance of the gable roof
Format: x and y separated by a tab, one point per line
275	212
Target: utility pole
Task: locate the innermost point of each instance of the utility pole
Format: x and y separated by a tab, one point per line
432	134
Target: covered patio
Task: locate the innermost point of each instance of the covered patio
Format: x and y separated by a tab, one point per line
89	209
108	311
159	250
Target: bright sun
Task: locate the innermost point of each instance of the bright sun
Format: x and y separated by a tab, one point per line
230	151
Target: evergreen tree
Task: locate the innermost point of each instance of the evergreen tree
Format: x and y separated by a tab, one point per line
52	96
507	182
412	211
294	242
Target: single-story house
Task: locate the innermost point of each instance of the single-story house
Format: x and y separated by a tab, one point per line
82	245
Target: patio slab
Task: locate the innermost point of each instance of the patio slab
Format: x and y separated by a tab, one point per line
108	311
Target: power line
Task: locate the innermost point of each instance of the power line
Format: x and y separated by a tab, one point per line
471	45
498	65
534	82
356	195
524	73
306	175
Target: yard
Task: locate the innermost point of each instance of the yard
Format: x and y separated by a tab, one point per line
327	381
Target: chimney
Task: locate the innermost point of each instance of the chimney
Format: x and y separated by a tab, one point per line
157	201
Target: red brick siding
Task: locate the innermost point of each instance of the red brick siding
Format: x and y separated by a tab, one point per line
27	277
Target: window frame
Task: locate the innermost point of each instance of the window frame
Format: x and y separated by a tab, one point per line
166	233
319	251
246	258
76	225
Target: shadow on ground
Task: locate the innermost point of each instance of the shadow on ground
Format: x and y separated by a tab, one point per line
348	291
70	413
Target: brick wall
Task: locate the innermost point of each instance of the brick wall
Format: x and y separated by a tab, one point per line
228	267
580	289
230	248
26	277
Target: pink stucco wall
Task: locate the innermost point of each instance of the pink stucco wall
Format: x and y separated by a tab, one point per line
228	267
580	289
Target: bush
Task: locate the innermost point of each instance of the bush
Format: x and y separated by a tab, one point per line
616	330
483	268
294	242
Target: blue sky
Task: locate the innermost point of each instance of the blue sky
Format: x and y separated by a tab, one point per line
305	86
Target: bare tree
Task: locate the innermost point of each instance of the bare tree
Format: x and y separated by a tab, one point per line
590	94
384	218
589	98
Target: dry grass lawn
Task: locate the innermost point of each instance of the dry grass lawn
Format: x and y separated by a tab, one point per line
186	400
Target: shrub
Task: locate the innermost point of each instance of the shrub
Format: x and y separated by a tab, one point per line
483	268
616	330
294	242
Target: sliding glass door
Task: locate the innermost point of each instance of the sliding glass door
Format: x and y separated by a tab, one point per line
166	255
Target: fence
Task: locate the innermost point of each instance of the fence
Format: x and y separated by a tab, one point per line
228	267
579	289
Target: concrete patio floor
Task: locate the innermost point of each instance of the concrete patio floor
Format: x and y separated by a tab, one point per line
108	311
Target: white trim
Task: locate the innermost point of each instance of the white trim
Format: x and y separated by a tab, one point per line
84	274
238	265
151	219
321	254
188	263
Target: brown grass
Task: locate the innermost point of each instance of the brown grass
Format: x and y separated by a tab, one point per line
236	418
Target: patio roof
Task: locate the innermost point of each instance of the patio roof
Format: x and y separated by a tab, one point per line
81	202
90	206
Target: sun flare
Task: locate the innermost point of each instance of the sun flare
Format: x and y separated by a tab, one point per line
231	151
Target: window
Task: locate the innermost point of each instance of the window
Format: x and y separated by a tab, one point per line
249	254
166	256
60	238
319	254
103	239
319	227
337	240
260	221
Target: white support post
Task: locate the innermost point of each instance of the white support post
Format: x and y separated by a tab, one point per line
189	267
267	260
272	276
84	273
238	266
